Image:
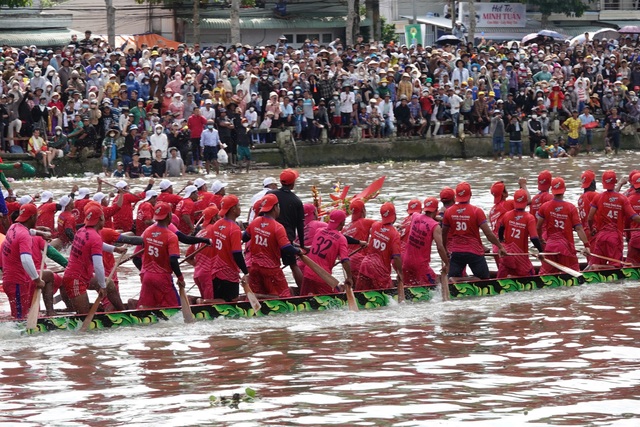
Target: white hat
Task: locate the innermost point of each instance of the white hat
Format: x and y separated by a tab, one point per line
217	186
24	200
121	185
83	192
269	181
149	194
190	190
199	182
165	184
46	196
99	196
208	102
65	200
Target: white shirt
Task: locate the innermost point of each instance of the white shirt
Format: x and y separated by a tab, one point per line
208	114
346	102
259	195
159	142
455	101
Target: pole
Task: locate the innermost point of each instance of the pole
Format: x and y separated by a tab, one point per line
196	21
111	23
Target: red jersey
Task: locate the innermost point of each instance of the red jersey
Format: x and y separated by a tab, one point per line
560	218
519	227
216	199
496	213
144	214
86	244
185	207
18	241
46	215
464	221
311	228
78	209
172	199
359	229
327	246
268	238
418	241
204	259
205	199
584	206
634	239
384	245
109	212
612	209
227	240
66	219
123	219
38	247
196	125
160	244
403	229
109	236
538	200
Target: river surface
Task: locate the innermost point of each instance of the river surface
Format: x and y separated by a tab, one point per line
551	357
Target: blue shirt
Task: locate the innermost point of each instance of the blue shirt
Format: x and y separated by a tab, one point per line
209	138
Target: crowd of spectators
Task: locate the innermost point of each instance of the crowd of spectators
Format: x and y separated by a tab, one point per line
117	102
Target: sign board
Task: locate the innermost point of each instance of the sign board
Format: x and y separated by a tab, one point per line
495	14
413	34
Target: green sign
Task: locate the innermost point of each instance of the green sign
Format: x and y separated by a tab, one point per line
413	34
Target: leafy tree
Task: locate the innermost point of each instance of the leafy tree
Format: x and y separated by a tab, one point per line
388	32
568	7
15	3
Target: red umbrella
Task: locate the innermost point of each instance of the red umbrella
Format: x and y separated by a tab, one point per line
629	29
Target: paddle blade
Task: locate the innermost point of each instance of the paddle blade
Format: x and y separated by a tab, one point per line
322	273
563	268
34	310
351	299
92	312
444	284
400	291
186	308
253	299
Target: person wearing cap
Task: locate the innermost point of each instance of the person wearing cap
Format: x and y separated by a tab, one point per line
422	231
205	198
461	227
123	218
543	196
516	228
588	185
291	216
609	211
159	260
383	251
447	198
202	262
20	277
218	189
358	229
269	241
228	259
103	200
66	224
186	208
559	218
500	206
268	184
47	211
327	245
633	250
85	269
144	215
166	193
414	206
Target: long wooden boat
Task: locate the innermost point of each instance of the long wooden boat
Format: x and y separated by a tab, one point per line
365	299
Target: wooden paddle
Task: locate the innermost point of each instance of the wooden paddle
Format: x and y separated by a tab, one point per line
321	272
253	299
34	310
94	308
523	254
400	291
606	258
558	266
187	314
351	298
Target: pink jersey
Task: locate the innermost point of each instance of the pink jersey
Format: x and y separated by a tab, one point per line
160	244
38	247
419	240
268	237
384	245
538	200
185	207
464	221
86	244
18	241
227	239
327	246
311	228
612	209
123	218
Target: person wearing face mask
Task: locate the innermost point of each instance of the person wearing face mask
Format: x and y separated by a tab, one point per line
37	81
159	141
535	132
209	146
132	83
244	144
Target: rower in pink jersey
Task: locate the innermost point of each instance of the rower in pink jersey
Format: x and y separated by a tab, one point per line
421	233
359	229
633	253
414	206
544	183
328	245
311	227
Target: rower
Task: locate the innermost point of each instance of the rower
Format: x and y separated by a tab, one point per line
20	277
267	184
123	218
414	206
447	197
382	252
80	200
108	211
203	260
359	229
422	232
559	218
66	223
588	184
633	252
269	241
500	206
218	189
186	208
328	245
544	183
516	227
166	194
86	268
462	223
47	210
609	210
159	260
205	198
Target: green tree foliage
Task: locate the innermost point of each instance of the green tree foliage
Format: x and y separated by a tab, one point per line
388	31
547	7
15	3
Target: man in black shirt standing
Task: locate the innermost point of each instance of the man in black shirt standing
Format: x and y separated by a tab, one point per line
291	217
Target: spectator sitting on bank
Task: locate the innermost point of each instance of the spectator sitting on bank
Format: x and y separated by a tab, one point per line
37	148
119	172
159	165
147	168
175	165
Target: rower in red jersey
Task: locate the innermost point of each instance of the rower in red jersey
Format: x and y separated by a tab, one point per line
80	201
633	252
205	198
414	206
609	210
382	252
144	216
268	240
461	234
166	194
543	196
123	218
421	233
203	260
447	197
159	260
66	223
500	206
186	209
228	261
588	184
20	277
328	244
218	189
108	210
47	211
359	229
86	268
515	229
559	219
311	226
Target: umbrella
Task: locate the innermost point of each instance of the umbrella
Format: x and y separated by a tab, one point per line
448	39
629	29
551	34
605	33
529	38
